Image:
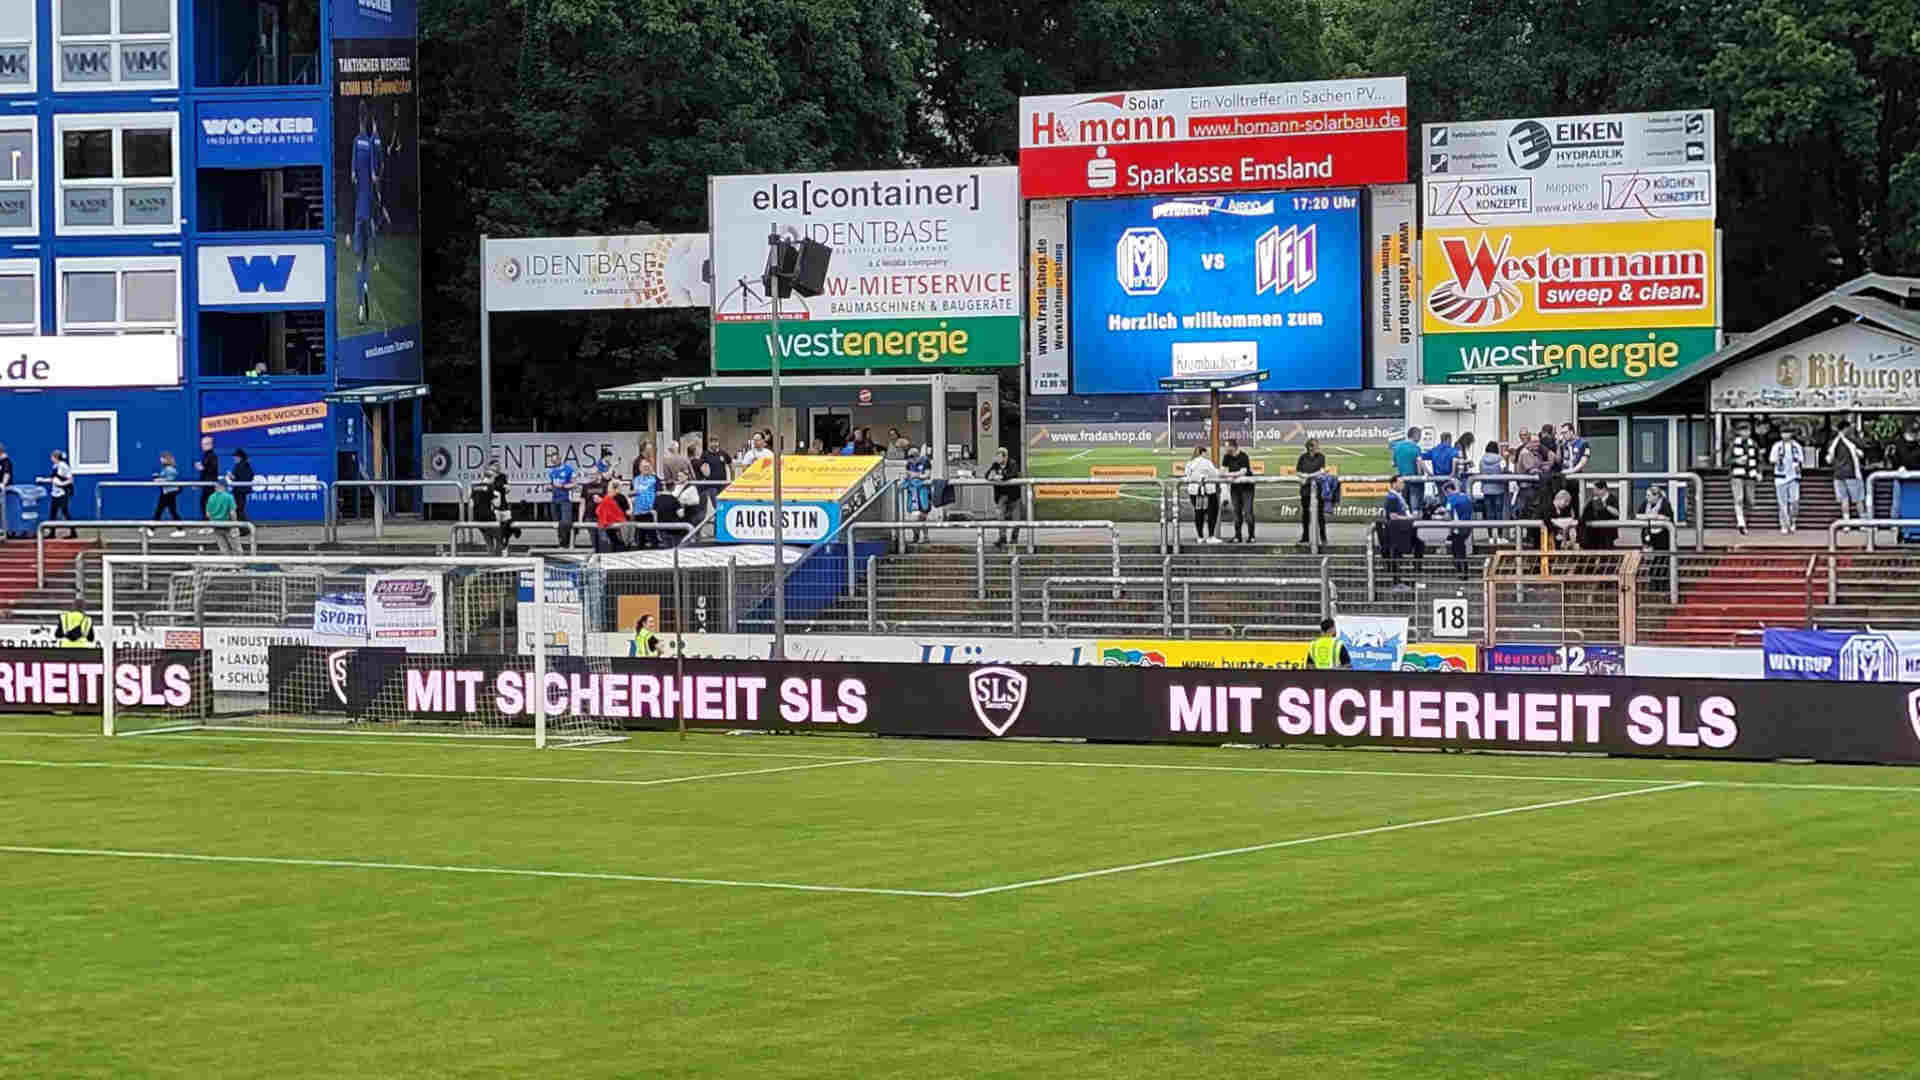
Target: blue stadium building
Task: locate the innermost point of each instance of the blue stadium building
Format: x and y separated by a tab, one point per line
209	225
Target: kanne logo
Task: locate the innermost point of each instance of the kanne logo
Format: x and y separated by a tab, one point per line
1140	262
999	694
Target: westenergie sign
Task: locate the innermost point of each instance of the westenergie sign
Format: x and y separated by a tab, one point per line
1569	277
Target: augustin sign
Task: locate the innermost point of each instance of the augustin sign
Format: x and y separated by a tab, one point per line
1231	138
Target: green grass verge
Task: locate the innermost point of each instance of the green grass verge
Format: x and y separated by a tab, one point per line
1715	931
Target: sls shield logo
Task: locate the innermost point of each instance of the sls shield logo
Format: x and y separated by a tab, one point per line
998	694
1913	712
337	662
1140	262
1869	658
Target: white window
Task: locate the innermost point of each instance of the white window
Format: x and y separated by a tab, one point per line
16	47
19	168
118	174
114	45
119	295
93	442
19	296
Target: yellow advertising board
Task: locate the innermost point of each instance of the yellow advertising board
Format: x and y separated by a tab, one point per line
1611	276
1148	652
1075	491
805	477
1124	472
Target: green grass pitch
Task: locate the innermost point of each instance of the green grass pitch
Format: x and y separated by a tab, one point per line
393	283
1275	502
313	906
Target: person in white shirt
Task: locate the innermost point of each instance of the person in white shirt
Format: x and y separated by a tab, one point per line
1203	488
1788	457
755	452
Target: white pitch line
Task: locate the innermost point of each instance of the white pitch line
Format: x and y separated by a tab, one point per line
345	740
1076	457
249	769
504	871
1251	849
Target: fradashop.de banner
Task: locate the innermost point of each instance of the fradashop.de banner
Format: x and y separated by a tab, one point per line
74	680
1685	718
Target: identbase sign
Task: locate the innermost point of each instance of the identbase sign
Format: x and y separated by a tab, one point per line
1226	138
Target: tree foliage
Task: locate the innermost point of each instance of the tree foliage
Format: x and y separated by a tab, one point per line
604	116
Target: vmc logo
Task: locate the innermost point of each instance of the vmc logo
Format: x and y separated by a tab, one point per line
1869	658
261	273
1140	262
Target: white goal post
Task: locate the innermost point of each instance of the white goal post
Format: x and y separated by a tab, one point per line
276	645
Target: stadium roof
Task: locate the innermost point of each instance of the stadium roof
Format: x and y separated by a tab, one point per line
384	394
1892	303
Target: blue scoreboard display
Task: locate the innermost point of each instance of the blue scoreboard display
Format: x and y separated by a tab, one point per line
1218	285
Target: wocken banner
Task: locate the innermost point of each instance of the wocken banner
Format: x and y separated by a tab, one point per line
1684	718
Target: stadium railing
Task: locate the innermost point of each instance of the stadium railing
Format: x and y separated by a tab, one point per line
321	486
246	528
1696	485
979	530
1027	484
1895	475
1868	525
379	488
1186	623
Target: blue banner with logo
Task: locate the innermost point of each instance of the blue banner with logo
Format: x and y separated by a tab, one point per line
1842	655
260	135
262	421
1373	642
286	486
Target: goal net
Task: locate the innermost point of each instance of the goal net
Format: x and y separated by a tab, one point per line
363	645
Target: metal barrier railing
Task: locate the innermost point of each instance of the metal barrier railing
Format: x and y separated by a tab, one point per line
980	530
1027	484
1896	475
379	489
1175	496
1167	622
1869	525
252	536
1696	484
458	528
254	486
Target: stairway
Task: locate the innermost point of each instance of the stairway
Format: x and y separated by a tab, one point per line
1721	597
19	590
1818	507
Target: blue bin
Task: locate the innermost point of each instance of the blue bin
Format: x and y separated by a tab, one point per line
25	503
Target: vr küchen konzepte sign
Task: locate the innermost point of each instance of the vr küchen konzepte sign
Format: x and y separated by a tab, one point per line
925	270
1570	169
596	273
1565	714
1222	138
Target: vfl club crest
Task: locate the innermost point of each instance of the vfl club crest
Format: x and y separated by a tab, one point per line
998	695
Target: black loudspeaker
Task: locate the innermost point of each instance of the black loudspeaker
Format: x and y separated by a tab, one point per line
783	261
810	269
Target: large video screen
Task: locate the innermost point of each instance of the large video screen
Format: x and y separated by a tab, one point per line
1218	285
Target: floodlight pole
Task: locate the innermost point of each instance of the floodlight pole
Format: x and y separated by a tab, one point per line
486	360
779	532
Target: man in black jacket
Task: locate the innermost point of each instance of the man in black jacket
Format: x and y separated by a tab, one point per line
1239	471
1007	495
209	471
1311	462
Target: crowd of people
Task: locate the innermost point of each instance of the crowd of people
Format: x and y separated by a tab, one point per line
223	492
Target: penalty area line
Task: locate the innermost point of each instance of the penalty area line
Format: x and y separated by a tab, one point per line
1302	841
500	871
149	766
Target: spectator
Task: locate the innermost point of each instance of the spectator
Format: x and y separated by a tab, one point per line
562	478
641	504
1459	541
1326	653
643	464
241	483
1309	465
1849	471
610	516
755	451
1743	470
169	500
1492	503
1204	489
501	502
209	471
60	486
1659	537
713	470
220	508
75	630
1406	462
919	491
1600	507
1006	495
686	496
1576	454
863	440
666	508
1787	458
6	470
1465	460
1395	529
595	476
1561	526
1238	469
1440	459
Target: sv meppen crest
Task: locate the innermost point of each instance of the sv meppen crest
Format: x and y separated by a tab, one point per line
998	695
1913	711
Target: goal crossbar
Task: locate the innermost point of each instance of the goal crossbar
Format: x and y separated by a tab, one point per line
533	567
